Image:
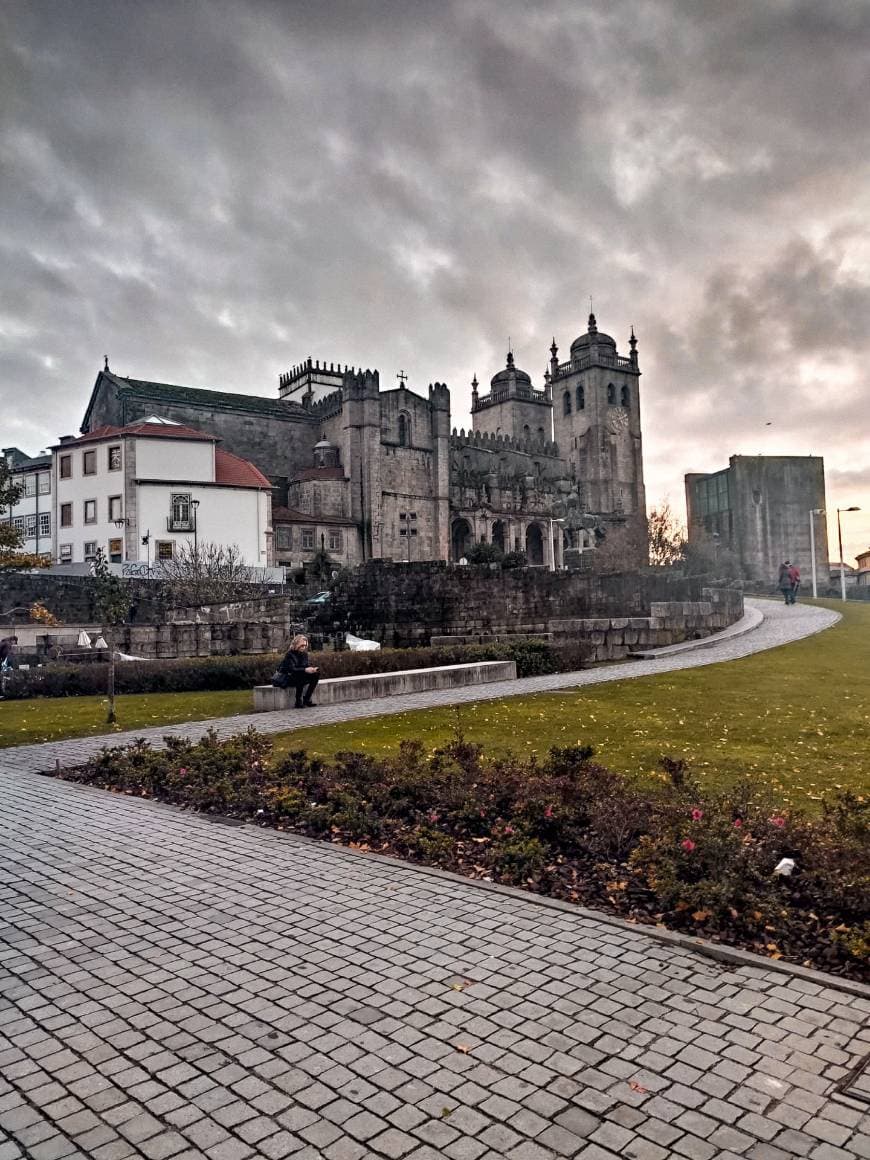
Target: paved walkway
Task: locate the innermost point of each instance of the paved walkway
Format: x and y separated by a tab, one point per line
781	625
172	988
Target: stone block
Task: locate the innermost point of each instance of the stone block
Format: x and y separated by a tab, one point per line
366	686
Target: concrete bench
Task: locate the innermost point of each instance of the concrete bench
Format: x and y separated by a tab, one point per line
368	686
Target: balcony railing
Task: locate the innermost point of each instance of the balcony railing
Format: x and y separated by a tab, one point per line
177	525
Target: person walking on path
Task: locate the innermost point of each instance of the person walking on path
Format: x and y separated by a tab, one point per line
783	581
794	575
298	673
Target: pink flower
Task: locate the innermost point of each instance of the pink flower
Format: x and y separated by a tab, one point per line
508	829
697	815
182	772
548	812
688	845
433	817
778	822
738	822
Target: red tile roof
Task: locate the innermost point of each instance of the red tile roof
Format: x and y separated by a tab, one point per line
232	471
155	430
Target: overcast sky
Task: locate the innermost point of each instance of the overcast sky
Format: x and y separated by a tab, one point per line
209	192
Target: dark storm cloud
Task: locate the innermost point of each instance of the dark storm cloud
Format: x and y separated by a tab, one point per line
211	191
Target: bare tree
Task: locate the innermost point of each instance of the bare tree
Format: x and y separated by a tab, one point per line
667	537
205	574
112	604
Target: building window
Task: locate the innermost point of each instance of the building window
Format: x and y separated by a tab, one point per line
30	526
90	550
116	551
180	519
611	394
30	485
164	549
566	403
283	537
65	553
45	523
18	524
44	483
308	539
404	431
115	458
89	463
90	511
66	515
66	467
581	397
625	397
115	507
335	541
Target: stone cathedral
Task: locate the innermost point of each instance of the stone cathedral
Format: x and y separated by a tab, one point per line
554	472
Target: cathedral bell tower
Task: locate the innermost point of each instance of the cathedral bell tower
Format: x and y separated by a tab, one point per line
596	417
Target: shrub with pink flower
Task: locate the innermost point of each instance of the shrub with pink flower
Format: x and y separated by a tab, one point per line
688	845
697	814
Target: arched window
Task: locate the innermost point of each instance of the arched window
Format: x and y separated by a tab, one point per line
526	431
625	397
581	397
566	403
542	435
611	394
404	431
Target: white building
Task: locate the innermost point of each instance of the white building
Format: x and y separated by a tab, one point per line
140	491
31	515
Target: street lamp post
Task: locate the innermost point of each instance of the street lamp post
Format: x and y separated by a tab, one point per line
814	512
194	503
840	539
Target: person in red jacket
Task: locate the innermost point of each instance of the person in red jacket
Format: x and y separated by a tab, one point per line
794	575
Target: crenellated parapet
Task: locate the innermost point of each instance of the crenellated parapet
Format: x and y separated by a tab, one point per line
301	372
328	406
361	384
488	441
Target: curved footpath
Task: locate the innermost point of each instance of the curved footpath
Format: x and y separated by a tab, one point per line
774	624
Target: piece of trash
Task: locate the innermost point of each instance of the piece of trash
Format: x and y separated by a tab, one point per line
463	1047
638	1087
784	867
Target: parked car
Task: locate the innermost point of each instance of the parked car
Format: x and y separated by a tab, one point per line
318	598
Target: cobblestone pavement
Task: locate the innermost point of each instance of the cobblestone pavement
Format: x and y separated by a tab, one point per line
170	987
781	625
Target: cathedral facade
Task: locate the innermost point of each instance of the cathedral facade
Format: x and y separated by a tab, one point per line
553	472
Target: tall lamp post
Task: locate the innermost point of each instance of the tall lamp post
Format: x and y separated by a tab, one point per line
840	539
194	503
813	513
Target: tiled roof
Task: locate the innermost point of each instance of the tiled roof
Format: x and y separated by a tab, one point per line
283	515
232	471
198	397
142	428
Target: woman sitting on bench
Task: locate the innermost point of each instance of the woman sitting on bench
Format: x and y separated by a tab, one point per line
295	672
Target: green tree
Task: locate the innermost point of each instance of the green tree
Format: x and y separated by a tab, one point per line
112	606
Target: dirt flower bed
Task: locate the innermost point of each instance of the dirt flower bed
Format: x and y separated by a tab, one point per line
730	867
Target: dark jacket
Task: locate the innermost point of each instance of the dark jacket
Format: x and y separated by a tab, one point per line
294	662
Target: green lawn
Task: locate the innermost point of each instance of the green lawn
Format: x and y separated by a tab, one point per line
53	718
796	717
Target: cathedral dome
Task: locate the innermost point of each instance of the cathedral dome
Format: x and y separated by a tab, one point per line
510	374
581	345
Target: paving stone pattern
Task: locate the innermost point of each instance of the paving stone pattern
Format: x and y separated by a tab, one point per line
174	988
781	625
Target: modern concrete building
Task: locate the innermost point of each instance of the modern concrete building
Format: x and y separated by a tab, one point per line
760	508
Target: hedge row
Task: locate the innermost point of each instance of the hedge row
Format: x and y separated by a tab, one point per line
707	862
243	672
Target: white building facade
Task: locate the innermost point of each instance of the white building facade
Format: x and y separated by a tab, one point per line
139	492
32	514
